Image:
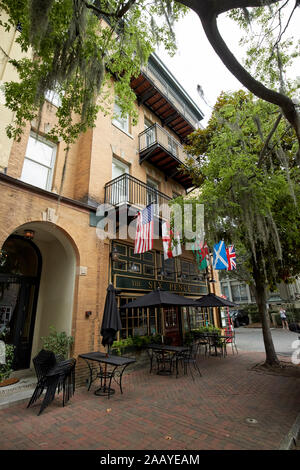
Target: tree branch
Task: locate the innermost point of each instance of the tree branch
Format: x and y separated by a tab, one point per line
208	10
125	8
262	153
217	7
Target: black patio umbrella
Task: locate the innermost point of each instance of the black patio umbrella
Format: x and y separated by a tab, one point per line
212	300
111	322
159	298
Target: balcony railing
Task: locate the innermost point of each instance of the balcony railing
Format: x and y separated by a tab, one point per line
129	190
161	84
156	135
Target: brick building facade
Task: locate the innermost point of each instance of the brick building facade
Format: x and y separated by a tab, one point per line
60	276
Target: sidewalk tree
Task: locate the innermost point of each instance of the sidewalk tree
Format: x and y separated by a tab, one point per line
250	190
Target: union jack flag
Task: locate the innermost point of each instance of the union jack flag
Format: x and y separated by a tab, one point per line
144	230
231	257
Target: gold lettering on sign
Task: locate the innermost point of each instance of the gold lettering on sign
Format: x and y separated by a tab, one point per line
136	283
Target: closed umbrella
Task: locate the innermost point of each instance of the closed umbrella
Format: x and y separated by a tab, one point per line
111	322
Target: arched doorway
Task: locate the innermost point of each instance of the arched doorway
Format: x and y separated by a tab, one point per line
46	266
20	271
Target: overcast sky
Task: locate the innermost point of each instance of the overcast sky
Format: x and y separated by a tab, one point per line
196	62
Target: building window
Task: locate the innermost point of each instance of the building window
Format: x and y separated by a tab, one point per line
39	162
152	194
150	133
53	98
139	321
239	293
172	146
199	318
119	121
225	291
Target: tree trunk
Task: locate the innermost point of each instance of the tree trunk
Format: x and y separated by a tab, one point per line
260	292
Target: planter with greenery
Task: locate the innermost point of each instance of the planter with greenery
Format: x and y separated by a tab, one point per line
134	345
6	368
58	342
192	335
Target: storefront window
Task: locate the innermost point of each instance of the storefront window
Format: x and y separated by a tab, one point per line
199	318
139	321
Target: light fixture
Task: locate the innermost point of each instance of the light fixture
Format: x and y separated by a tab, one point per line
3	257
115	254
133	268
28	234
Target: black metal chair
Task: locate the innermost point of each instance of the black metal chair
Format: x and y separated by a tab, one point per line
202	340
215	342
189	358
52	374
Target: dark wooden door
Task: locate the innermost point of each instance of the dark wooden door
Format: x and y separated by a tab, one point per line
172	325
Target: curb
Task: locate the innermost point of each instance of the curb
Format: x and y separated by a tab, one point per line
290	440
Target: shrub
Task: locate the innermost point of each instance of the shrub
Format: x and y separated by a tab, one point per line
59	343
6	369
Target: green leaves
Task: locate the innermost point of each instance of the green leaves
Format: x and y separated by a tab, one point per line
76	53
252	205
57	342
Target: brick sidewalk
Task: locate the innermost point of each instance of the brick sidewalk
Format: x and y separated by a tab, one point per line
158	412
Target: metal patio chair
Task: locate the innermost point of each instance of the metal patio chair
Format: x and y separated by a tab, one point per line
190	358
53	374
215	342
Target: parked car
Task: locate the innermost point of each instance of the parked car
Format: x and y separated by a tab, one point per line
294	327
239	318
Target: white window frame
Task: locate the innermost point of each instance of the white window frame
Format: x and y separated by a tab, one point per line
53	97
152	194
122	123
150	135
53	158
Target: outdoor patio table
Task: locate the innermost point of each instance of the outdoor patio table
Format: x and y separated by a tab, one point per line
176	350
118	363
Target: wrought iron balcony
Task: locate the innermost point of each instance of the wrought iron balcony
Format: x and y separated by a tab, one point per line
158	89
128	190
158	147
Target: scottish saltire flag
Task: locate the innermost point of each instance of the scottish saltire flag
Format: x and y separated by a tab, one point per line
231	257
171	249
220	256
144	230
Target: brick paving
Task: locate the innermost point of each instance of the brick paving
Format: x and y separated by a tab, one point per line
164	413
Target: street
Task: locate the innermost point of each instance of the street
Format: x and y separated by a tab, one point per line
251	339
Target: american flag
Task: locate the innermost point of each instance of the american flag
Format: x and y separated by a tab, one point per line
144	230
231	257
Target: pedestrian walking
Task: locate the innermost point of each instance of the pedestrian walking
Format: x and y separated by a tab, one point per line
283	317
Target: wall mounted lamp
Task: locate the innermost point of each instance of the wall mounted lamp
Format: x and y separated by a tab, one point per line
29	234
115	255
